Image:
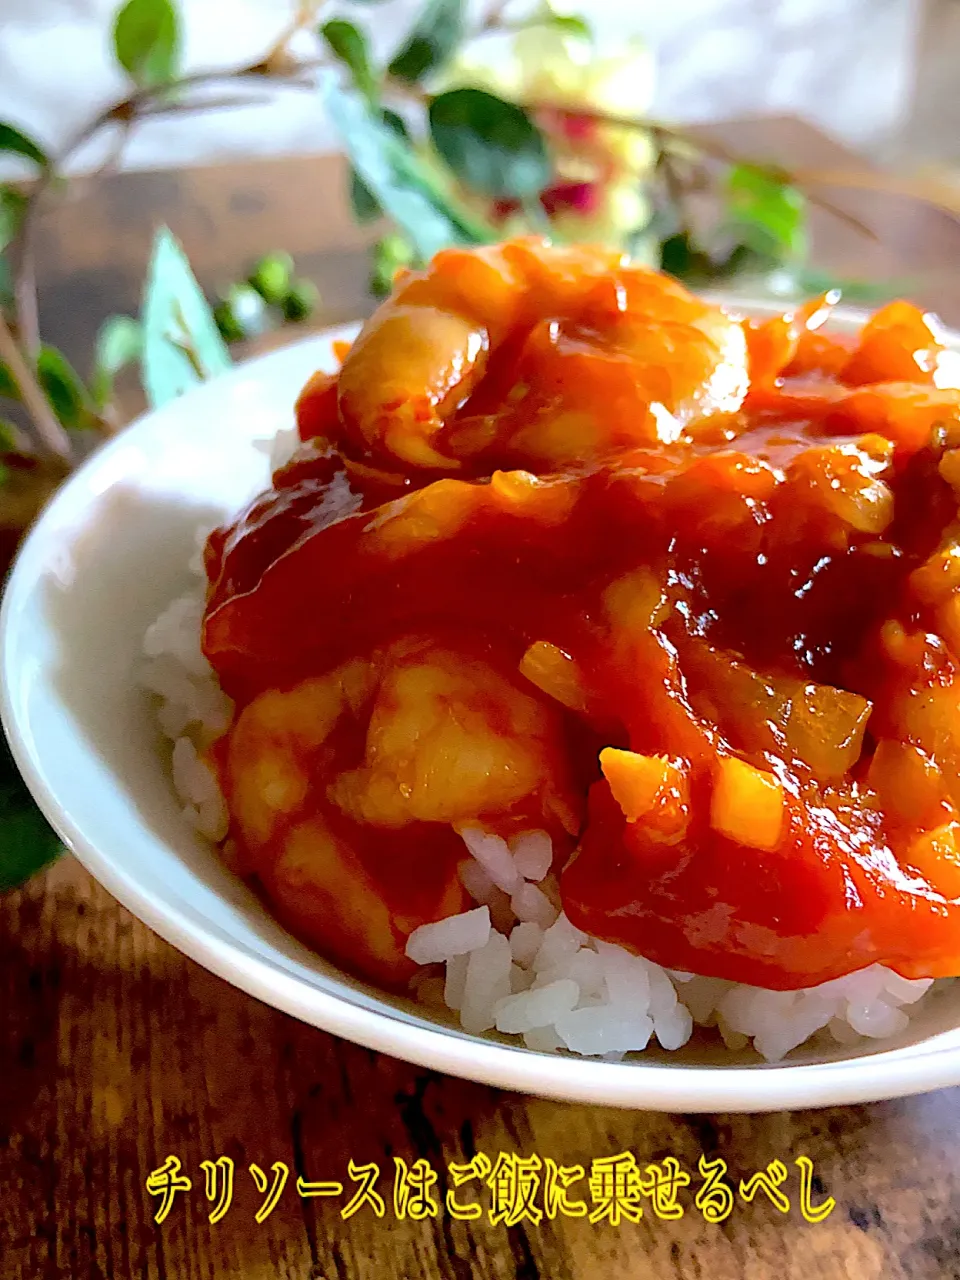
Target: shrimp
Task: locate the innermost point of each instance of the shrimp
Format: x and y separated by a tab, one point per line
345	789
275	741
423	351
450	738
526	354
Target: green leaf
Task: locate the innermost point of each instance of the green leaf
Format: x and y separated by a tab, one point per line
119	343
9	388
434	38
228	326
768	214
390	253
9	437
146	40
350	46
26	842
300	302
492	146
12	206
63	387
569	23
365	205
15	142
272	277
242	313
181	343
399	180
679	257
396	124
683	257
6	282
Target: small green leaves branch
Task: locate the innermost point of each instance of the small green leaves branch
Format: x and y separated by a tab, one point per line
479	145
60	411
428	161
496	150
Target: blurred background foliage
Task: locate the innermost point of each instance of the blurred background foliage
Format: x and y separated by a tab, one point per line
448	144
470	131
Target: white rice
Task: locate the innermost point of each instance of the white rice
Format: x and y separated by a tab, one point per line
515	963
193	711
557	987
450	938
192	708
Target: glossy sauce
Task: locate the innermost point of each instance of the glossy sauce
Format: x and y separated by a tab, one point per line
679	589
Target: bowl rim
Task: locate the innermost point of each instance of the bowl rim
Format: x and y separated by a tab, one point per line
654	1085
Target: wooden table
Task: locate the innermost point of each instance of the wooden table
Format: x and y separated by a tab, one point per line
117	1052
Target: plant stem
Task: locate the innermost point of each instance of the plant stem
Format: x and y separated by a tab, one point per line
25	287
304	18
112	161
156	111
939	194
51	437
25	297
142	102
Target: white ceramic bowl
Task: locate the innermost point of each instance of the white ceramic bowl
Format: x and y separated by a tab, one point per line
105	557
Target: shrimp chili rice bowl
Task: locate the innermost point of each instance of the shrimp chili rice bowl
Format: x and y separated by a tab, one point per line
590	668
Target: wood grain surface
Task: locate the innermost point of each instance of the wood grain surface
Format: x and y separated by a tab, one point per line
116	1052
